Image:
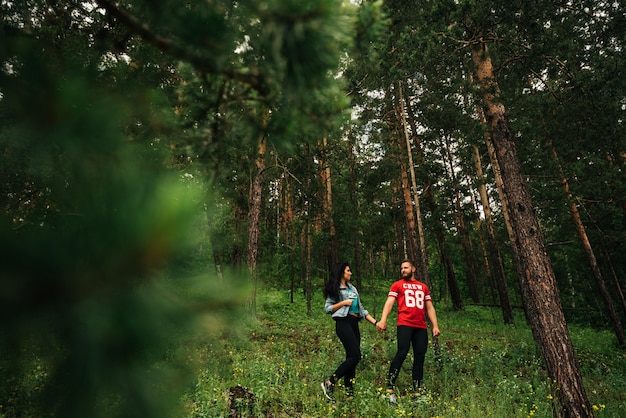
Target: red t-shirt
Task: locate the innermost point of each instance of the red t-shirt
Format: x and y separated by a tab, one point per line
412	296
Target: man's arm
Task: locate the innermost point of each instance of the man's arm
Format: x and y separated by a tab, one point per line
432	316
382	322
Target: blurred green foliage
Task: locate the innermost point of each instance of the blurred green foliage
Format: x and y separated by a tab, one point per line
108	137
92	316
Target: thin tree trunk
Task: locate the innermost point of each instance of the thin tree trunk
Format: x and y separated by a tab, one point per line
495	167
426	190
468	258
303	246
591	257
254	216
372	272
411	235
290	233
400	248
217	258
356	210
494	256
539	288
445	260
327	205
309	289
618	286
504	204
421	259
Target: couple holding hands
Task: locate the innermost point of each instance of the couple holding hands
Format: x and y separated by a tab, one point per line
414	305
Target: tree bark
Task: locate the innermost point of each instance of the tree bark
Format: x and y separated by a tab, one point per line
289	232
591	257
538	283
254	214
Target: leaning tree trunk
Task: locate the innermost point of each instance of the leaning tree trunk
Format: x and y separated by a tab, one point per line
591	257
421	259
538	282
495	168
413	246
420	162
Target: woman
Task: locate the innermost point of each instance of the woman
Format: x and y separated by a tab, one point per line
343	302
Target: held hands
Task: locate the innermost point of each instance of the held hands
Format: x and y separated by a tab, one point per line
381	325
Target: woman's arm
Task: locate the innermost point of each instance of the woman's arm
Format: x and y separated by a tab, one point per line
331	306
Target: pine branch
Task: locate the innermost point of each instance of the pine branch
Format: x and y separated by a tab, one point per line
253	78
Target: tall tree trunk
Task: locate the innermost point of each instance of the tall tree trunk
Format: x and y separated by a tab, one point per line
303	247
504	204
432	205
372	272
289	232
539	288
620	156
495	167
421	254
468	257
217	258
411	235
327	205
618	286
309	289
445	260
400	247
591	257
493	254
254	214
356	210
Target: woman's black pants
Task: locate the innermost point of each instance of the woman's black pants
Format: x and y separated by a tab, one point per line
347	330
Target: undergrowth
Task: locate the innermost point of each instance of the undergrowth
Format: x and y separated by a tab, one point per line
482	368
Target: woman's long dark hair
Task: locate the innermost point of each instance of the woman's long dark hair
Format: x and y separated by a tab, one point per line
331	287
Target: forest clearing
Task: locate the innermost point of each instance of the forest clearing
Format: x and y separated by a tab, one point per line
483	368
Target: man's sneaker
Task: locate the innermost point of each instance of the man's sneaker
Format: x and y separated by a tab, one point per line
420	396
391	397
349	393
327	388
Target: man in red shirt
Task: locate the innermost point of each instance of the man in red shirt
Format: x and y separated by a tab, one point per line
414	304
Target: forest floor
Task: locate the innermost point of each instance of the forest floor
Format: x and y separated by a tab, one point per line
272	366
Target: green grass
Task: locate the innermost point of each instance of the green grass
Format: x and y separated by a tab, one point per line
485	369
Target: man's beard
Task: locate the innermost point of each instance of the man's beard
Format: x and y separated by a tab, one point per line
408	276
